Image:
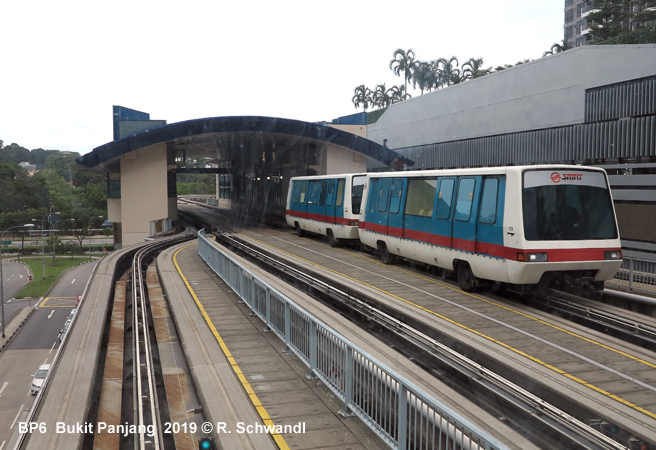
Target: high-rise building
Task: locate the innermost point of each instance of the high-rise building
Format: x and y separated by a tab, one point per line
577	31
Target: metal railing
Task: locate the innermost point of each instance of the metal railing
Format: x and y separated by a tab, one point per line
401	414
637	274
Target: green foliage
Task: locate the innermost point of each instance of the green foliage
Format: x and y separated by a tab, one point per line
60	185
644	36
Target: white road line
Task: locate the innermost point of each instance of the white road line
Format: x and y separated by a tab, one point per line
3	445
16	418
73	281
51	313
3	388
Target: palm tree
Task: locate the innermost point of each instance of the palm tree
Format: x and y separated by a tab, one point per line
398	94
381	96
449	72
557	48
473	68
362	97
404	61
422	77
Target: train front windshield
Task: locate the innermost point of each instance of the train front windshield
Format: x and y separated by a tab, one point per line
356	192
567	205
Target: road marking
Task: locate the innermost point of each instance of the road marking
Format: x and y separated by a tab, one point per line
3	445
2	389
51	313
73	281
16	418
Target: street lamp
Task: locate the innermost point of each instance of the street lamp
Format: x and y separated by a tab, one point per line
2	279
54	232
43	245
89	227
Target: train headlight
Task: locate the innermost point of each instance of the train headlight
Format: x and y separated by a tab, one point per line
532	257
613	254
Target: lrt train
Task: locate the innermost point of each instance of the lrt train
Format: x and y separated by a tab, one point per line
326	204
526	226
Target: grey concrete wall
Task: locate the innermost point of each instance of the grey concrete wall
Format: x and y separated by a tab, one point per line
544	93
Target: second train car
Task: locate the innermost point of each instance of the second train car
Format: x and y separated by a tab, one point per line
527	226
328	205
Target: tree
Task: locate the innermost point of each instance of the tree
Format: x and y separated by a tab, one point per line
381	96
362	97
608	18
558	48
473	68
644	12
449	73
423	76
398	94
403	62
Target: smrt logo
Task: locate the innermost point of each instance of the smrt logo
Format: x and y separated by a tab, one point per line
556	177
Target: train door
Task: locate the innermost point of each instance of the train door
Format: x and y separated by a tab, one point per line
382	204
490	216
331	209
444	212
466	213
397	200
298	202
316	199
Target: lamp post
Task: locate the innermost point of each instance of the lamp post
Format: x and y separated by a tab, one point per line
43	246
54	232
2	278
89	227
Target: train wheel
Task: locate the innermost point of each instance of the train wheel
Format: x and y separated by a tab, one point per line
385	256
299	232
332	240
466	279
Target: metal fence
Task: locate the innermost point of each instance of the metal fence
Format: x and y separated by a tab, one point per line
636	274
400	413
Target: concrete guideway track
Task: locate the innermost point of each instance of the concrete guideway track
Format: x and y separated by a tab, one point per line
604	374
286	394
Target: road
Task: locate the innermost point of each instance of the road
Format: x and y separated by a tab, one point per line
36	343
15	276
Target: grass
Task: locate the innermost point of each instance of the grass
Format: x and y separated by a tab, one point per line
39	286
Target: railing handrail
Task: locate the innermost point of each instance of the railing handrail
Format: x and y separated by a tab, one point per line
450	423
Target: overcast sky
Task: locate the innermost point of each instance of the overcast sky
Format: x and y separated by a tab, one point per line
65	63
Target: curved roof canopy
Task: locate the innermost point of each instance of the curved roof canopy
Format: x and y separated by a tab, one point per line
233	138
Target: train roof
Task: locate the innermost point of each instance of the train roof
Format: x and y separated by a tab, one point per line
482	170
330	177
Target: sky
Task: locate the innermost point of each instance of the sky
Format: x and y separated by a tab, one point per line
64	64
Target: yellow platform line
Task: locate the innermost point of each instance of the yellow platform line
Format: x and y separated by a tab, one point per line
266	419
489	338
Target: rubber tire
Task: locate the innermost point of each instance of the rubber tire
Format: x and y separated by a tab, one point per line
332	240
466	279
299	231
385	256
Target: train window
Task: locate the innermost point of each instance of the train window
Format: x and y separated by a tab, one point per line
445	197
567	212
396	192
356	193
314	192
373	194
421	196
465	199
383	194
330	195
303	190
339	200
488	212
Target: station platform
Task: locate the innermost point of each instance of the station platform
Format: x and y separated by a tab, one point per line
272	381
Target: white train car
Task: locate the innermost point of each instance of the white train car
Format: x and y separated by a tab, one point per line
527	226
328	205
